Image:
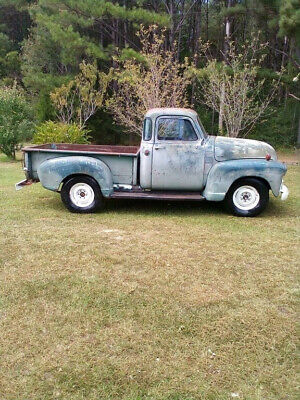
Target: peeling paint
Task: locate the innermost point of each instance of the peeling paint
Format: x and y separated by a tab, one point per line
52	172
223	174
234	148
196	169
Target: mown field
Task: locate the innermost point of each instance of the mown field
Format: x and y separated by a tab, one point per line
146	300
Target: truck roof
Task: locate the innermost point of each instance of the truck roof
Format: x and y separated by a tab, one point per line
156	112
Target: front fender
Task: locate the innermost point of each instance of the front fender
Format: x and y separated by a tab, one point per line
52	172
223	174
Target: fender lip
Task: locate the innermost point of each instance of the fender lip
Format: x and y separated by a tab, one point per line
52	172
223	174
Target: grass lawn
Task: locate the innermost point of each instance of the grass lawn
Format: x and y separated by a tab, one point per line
146	300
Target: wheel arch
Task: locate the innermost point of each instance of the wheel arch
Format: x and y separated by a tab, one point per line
54	172
75	176
224	174
259	178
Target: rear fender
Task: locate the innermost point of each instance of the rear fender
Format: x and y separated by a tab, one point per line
54	171
223	174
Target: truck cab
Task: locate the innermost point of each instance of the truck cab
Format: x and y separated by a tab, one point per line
172	152
176	160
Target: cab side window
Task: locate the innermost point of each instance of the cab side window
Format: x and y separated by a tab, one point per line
176	129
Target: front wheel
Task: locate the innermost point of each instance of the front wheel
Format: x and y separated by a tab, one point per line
81	194
247	197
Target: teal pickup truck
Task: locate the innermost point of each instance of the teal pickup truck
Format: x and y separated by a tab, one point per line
176	160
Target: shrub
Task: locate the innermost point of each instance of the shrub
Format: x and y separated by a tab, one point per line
16	125
58	132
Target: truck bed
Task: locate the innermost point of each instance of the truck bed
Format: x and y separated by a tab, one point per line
86	148
122	160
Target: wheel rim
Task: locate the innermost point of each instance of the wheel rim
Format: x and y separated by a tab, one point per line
82	195
246	198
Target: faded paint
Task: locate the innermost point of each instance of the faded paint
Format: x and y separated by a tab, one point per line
121	167
175	164
146	154
178	166
158	112
234	148
223	174
207	166
52	172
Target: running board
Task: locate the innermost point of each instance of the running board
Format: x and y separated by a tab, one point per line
157	195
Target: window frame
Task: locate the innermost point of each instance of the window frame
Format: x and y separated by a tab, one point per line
201	127
151	129
179	117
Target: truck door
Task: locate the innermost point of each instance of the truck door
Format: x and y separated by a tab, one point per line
178	155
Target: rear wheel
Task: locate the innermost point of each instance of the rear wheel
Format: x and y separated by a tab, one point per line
81	194
248	197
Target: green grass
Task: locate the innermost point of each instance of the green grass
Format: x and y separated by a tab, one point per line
146	300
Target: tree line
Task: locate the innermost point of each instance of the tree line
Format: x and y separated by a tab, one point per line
46	44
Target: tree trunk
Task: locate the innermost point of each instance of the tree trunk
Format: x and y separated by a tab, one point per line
172	27
197	28
226	40
221	109
298	137
180	31
207	21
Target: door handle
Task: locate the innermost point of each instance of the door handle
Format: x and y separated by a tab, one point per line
159	147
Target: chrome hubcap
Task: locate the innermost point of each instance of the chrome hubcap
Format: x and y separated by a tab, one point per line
82	195
246	198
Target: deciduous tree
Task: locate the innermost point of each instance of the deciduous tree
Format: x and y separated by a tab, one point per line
79	99
234	83
154	79
16	123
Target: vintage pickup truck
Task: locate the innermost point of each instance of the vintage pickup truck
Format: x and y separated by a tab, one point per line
176	160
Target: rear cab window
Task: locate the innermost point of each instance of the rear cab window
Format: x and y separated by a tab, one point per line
147	130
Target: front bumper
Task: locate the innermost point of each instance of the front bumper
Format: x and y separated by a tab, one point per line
284	192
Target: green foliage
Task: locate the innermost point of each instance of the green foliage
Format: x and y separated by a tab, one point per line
42	67
58	132
43	107
129	54
81	97
5	44
238	9
16	124
289	21
209	119
280	126
105	131
43	43
9	59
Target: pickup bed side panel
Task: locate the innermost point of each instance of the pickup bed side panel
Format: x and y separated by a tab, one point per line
223	174
52	172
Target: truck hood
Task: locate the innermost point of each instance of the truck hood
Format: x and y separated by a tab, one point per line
233	149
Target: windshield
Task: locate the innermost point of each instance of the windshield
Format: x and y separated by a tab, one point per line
201	128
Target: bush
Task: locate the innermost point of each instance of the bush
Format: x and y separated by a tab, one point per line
16	125
58	132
